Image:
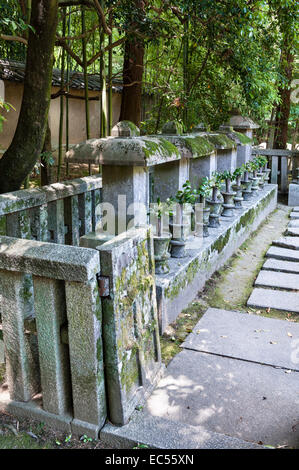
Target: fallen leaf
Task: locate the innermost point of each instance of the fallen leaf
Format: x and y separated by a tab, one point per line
287	371
290	335
268	310
273	342
223	336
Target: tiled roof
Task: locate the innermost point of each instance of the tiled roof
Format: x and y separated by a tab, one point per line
15	71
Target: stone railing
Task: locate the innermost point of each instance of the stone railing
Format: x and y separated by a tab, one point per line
280	160
59	213
53	345
65	311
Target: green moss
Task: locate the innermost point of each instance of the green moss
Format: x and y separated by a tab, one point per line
221	242
243	138
199	146
249	217
221	141
134	129
2	225
183	280
162	148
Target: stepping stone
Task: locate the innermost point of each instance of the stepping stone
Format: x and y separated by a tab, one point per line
282	253
294	215
279	280
287	242
293	232
244	336
296	209
237	398
277	299
282	266
294	223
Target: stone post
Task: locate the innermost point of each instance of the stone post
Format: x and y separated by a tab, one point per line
168	178
126	160
242	141
226	151
246	127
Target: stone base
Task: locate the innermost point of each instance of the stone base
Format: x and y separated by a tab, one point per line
33	410
206	255
293	195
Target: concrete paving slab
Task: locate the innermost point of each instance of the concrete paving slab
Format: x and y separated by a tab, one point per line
161	433
279	300
294	223
245	336
285	254
280	265
293	231
249	401
288	281
287	242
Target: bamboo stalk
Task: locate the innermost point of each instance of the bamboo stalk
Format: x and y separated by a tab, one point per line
110	64
67	89
85	78
60	138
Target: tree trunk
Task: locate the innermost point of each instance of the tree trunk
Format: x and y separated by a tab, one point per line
46	171
21	156
132	75
284	107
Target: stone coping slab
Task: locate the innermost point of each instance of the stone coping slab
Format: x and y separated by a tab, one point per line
294	215
276	299
245	336
160	433
287	242
250	401
285	254
288	281
296	209
205	255
134	151
282	266
194	145
28	198
69	263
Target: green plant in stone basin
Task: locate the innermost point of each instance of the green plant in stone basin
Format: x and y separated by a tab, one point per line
215	183
158	210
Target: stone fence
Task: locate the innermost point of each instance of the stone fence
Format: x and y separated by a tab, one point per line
59	213
281	160
81	325
67	311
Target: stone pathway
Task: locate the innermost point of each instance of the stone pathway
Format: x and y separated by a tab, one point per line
235	382
233	385
277	285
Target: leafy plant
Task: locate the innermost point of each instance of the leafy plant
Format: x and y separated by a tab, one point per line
158	210
141	446
85	438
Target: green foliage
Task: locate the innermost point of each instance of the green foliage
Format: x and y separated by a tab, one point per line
4	107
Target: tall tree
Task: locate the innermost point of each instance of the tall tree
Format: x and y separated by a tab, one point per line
21	156
133	67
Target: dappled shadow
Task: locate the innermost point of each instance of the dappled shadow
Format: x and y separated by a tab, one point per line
249	401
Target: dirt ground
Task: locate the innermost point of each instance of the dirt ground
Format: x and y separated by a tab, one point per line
229	288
